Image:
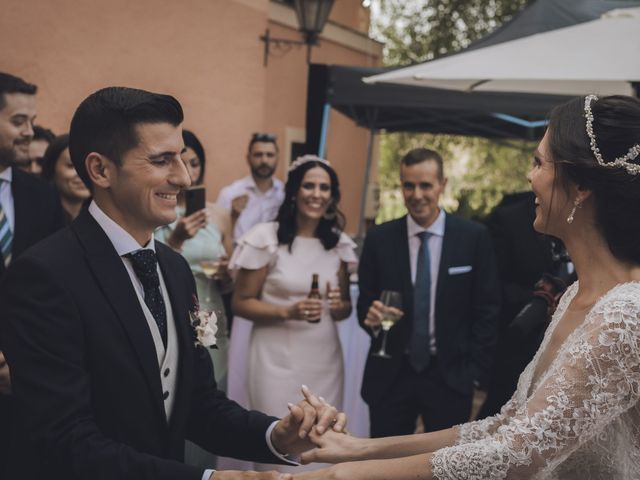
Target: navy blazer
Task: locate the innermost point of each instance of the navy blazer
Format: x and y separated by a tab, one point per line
467	303
37	212
85	370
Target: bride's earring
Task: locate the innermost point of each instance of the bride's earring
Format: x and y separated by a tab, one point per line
576	205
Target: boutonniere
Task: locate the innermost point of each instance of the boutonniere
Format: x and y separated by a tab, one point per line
205	326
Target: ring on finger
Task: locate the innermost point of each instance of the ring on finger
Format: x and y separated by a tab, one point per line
305	313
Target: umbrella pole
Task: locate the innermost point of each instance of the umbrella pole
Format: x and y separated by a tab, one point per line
324	130
367	173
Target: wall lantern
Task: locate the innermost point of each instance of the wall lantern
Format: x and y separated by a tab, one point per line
312	17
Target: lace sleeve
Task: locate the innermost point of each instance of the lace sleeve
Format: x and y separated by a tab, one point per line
594	379
472	431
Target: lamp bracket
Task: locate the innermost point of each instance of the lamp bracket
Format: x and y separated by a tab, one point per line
281	44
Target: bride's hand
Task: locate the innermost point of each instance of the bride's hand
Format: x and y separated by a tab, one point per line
332	447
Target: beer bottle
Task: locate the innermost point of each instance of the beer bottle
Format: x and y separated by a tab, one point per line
314	292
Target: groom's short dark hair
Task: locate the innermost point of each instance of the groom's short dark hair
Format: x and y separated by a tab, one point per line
105	123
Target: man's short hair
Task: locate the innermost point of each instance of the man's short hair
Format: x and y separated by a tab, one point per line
105	123
419	155
41	133
12	84
262	138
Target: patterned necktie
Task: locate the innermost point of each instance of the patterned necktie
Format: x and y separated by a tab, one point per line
419	352
145	265
6	236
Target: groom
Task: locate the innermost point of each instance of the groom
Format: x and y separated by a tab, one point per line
95	322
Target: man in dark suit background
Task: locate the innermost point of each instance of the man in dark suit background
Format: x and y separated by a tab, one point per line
445	269
523	257
29	208
96	320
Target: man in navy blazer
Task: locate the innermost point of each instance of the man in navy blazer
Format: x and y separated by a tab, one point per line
105	363
29	209
441	348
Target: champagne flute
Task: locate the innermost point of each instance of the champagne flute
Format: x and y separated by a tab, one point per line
209	267
391	313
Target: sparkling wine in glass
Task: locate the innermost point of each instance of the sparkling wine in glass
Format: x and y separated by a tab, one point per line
391	313
210	267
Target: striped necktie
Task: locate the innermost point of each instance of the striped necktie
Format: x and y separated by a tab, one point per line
6	237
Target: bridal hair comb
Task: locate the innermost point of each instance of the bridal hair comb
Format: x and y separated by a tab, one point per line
305	159
624	161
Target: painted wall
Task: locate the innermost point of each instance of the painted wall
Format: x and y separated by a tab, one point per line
204	52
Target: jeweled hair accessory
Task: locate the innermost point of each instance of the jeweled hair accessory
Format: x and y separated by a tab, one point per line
306	159
623	161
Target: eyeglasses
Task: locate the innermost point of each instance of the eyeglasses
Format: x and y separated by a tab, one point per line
263	137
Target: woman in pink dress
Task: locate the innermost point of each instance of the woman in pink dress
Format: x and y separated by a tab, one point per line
294	339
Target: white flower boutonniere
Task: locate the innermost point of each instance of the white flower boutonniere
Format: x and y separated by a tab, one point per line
205	326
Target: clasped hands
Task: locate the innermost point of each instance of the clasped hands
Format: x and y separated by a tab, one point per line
308	418
315	431
296	433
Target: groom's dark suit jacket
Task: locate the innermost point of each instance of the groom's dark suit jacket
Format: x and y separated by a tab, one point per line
85	370
466	305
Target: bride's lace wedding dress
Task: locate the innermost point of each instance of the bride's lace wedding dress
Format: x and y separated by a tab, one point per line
580	419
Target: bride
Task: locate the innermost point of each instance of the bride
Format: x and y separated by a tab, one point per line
575	413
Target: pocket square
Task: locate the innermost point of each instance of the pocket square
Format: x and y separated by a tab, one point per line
459	270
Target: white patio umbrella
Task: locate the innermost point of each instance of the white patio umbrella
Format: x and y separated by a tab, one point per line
601	56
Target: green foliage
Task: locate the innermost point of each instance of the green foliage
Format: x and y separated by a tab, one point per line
479	171
420	30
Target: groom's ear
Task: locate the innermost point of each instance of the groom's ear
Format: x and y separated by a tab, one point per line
99	170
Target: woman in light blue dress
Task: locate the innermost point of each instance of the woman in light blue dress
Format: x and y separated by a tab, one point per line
204	240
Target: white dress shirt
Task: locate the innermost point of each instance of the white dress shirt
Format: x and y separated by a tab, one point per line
6	197
435	252
124	243
261	207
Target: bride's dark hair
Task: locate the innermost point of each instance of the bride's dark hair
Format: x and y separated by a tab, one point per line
616	192
329	229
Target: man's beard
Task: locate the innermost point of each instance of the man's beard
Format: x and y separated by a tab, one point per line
263	171
7	157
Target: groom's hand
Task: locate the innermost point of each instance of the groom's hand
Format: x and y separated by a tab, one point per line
291	434
239	475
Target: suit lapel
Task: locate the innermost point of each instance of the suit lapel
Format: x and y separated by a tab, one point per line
404	260
22	213
113	279
448	247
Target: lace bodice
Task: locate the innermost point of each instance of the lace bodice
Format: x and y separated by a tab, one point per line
580	419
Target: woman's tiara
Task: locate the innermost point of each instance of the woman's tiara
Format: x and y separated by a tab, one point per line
625	161
306	159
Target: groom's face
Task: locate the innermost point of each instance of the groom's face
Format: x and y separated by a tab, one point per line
145	186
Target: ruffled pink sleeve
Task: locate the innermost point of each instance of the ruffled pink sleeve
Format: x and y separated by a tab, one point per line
256	248
345	249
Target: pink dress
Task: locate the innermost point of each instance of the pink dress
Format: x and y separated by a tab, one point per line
283	355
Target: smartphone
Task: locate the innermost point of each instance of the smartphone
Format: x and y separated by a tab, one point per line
195	199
